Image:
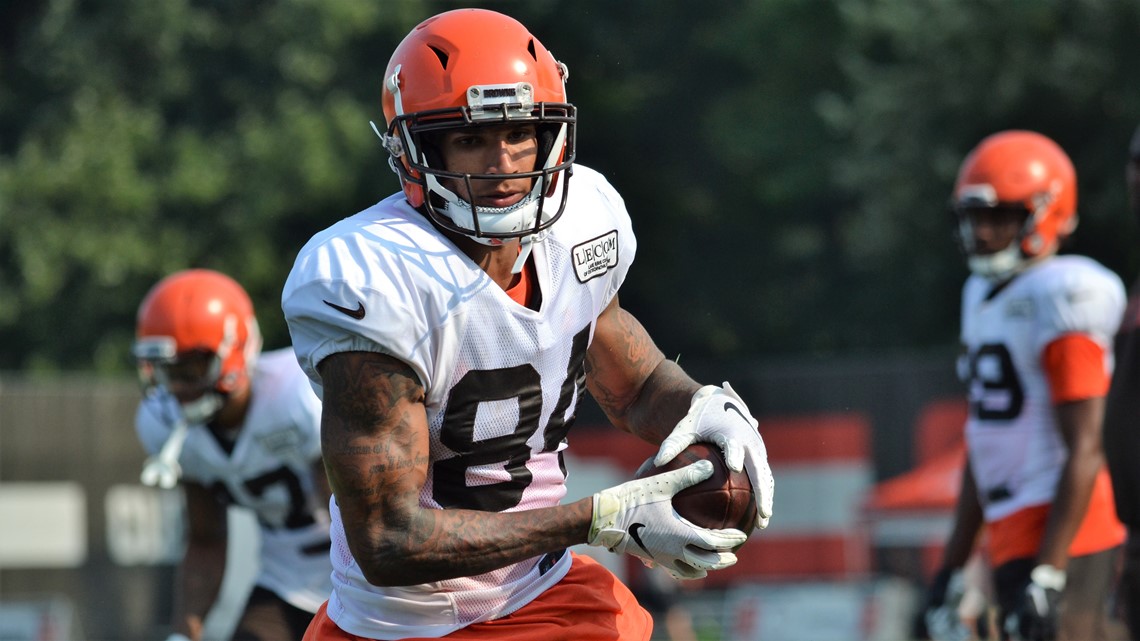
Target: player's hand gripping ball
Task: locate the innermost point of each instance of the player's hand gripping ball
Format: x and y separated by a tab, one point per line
718	415
722	501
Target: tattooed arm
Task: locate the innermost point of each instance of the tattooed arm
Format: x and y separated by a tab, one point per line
640	390
374	436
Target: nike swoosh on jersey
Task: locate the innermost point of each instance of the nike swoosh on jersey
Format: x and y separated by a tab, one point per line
357	313
633	530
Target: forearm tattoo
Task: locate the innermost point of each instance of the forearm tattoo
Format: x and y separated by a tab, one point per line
635	386
627	356
664	401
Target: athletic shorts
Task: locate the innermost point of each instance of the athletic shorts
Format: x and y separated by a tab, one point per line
588	604
1019	535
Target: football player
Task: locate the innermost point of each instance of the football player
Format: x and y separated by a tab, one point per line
1036	333
1121	436
234	427
454	328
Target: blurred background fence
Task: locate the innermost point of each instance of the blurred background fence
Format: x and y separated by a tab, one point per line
84	546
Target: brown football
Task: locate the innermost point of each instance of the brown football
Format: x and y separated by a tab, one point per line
724	500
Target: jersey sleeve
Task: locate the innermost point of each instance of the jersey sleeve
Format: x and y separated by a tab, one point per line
1085	300
1080	311
1076	368
627	241
340	297
597	230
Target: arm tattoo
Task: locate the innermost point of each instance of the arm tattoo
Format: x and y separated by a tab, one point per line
367	428
664	401
638	389
362	388
615	371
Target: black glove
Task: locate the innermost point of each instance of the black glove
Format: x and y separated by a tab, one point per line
941	610
1034	617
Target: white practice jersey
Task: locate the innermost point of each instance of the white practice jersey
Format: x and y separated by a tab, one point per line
1015	446
269	470
502	381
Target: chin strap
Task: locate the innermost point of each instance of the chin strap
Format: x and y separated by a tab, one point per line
163	469
526	244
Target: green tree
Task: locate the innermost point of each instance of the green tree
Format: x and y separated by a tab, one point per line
786	162
928	80
142	138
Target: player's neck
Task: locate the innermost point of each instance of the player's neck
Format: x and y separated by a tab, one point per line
496	261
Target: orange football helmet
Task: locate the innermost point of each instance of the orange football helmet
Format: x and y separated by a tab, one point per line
198	311
471	67
1022	170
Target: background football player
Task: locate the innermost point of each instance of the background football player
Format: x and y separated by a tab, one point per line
1036	332
454	328
234	427
1122	420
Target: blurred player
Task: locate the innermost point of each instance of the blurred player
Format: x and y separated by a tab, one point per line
1122	421
1036	331
454	328
234	429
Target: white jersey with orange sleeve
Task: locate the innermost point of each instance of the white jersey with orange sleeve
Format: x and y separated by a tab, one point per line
1015	447
502	381
268	468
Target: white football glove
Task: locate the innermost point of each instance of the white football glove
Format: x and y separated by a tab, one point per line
718	415
637	518
1034	616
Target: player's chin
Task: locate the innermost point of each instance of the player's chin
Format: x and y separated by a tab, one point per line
499	201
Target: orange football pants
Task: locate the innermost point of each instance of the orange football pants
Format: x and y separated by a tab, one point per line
1019	534
588	604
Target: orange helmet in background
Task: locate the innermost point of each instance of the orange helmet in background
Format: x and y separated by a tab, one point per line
471	67
1023	170
198	310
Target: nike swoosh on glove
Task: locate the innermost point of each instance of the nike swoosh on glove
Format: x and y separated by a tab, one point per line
637	518
718	415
